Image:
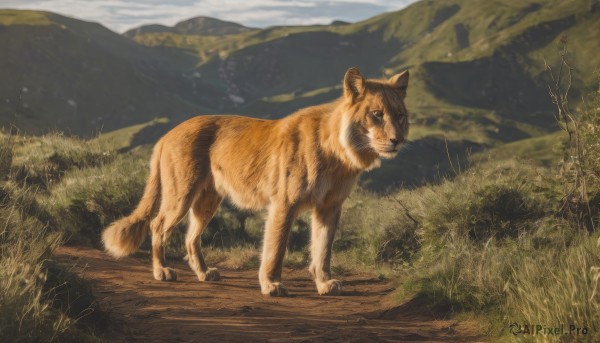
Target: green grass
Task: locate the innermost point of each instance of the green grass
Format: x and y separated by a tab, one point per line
44	160
133	136
491	242
491	237
19	17
87	200
35	304
543	150
494	243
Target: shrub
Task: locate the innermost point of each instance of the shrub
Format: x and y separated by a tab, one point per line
493	240
501	211
87	200
486	202
375	230
45	160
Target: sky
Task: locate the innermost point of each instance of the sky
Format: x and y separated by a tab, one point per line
121	15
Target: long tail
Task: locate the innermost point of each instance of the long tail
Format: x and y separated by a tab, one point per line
124	236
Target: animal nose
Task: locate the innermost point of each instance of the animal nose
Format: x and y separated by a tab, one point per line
394	141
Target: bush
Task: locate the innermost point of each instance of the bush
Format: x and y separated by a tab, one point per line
44	160
86	200
486	202
493	241
376	230
501	211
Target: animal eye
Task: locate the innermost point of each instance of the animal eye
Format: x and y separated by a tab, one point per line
378	114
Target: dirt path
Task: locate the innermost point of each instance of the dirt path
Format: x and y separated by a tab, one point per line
233	310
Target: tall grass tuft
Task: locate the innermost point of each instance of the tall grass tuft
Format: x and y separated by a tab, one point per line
6	155
40	301
86	200
44	160
554	287
27	308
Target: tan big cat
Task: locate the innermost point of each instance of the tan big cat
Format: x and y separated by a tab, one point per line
309	160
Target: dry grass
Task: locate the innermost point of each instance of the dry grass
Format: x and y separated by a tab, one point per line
493	241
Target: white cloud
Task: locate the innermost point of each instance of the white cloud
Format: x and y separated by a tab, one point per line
120	15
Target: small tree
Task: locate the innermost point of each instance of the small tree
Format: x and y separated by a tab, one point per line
581	161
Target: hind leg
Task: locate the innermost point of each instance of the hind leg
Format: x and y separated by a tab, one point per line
171	212
159	269
202	211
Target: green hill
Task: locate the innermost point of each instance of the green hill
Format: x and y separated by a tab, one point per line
468	58
477	71
80	77
194	26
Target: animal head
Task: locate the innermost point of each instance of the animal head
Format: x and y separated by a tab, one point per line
375	119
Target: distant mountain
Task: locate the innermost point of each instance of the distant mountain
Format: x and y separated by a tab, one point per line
152	28
481	60
477	67
204	26
64	74
339	22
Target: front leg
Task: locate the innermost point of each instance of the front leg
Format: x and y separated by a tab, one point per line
324	223
277	229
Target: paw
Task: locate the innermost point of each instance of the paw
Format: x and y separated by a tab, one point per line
331	287
212	274
275	289
165	274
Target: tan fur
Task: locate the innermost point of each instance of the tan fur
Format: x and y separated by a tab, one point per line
307	161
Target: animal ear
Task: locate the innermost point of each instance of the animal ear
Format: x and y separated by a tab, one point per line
400	82
354	83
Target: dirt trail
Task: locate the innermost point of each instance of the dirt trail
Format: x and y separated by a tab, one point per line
233	310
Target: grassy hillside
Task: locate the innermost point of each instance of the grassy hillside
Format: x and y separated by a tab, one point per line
464	54
477	74
477	71
491	243
40	299
482	66
78	77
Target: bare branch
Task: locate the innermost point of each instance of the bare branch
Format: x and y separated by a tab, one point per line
406	210
575	178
